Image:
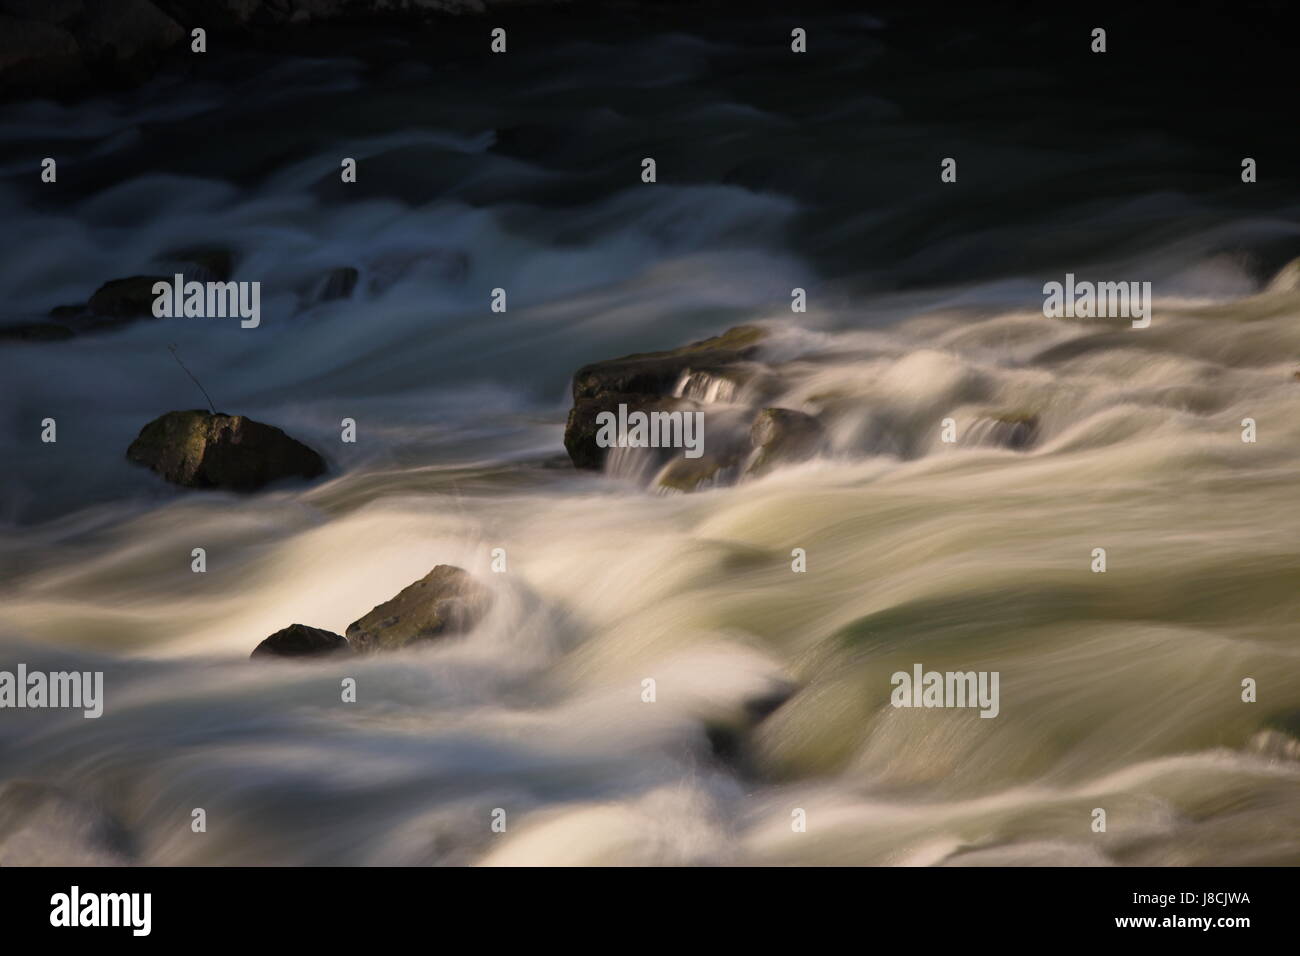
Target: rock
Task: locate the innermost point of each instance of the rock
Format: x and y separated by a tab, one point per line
655	373
299	640
783	436
645	382
693	474
198	449
444	602
115	303
130	298
581	429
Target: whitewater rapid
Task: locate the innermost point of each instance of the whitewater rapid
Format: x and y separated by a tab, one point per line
1119	690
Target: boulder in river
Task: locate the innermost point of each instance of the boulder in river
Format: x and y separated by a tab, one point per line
783	436
299	640
199	449
446	601
646	382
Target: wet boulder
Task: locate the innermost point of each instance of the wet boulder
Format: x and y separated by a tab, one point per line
299	640
582	428
783	436
656	373
113	304
129	298
695	474
445	602
647	382
199	449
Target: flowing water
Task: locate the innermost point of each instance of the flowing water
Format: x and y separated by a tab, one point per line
1120	690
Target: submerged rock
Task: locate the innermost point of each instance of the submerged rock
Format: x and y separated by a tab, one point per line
129	298
783	436
114	303
446	601
198	449
655	373
692	474
299	640
1014	430
646	382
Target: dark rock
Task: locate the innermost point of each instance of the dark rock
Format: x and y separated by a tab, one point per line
781	435
581	429
198	449
655	373
444	602
129	298
299	640
644	382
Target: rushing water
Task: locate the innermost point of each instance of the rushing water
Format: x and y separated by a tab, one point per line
1119	690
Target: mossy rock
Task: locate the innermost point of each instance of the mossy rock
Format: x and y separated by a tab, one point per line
446	601
199	449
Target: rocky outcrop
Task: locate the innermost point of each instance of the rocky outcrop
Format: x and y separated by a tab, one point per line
646	382
199	449
445	602
299	640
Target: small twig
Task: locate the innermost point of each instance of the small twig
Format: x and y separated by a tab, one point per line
172	349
